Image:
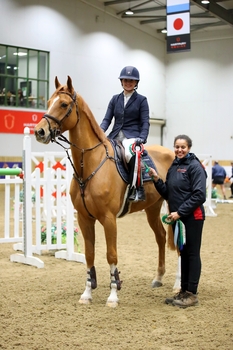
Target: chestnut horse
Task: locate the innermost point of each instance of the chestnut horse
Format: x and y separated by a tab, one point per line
97	190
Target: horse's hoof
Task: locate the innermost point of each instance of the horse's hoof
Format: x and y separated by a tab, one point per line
112	304
84	301
156	284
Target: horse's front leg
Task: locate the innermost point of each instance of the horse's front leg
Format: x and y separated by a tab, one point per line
91	283
115	285
110	229
87	227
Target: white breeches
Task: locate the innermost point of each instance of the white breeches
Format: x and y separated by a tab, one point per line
127	143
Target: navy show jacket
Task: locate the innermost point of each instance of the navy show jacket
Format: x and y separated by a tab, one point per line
133	119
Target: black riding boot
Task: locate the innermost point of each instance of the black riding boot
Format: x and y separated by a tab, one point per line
135	194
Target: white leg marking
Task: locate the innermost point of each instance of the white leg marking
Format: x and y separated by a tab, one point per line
112	300
86	297
177	284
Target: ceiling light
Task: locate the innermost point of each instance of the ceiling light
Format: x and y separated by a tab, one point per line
205	2
164	30
129	12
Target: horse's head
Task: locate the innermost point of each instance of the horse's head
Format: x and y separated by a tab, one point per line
61	114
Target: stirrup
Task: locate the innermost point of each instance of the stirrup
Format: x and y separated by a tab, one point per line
137	195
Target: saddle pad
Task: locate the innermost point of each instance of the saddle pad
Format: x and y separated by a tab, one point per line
146	159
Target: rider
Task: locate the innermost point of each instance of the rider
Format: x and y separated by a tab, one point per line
131	123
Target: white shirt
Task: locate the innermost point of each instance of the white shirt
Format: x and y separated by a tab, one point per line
127	97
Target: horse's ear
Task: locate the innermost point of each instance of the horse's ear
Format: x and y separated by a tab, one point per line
69	84
57	84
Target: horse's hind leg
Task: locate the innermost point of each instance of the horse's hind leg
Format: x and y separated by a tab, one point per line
154	220
88	231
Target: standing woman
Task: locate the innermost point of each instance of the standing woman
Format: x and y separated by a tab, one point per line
185	192
130	112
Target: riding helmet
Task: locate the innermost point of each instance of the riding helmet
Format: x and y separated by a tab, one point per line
129	72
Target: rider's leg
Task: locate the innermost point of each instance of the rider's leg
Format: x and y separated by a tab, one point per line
127	145
137	192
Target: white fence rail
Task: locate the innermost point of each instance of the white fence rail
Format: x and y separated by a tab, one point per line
51	206
207	162
12	190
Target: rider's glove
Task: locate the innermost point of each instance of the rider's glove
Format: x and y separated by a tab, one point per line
139	141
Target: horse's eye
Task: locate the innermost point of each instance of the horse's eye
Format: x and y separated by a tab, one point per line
64	105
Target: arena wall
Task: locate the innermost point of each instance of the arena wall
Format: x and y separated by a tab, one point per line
191	91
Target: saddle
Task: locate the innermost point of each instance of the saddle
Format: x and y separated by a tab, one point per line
123	170
121	164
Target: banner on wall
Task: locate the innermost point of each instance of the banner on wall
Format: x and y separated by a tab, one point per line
178	25
14	121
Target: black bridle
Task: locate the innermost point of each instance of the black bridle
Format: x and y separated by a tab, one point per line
56	132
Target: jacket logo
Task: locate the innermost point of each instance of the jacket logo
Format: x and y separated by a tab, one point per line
181	170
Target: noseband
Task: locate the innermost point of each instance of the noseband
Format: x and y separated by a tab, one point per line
48	117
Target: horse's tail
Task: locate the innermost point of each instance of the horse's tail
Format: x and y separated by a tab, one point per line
170	238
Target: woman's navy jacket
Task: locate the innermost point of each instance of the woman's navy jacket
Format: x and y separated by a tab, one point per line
185	187
133	119
218	170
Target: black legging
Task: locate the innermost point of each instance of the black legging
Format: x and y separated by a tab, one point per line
190	255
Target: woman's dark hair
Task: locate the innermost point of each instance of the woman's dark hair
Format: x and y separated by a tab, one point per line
184	137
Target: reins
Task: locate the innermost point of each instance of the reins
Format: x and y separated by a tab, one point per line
79	178
82	183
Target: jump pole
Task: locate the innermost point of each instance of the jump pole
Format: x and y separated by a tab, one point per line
27	257
10	171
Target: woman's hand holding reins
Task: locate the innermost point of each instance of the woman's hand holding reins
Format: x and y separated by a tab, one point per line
153	174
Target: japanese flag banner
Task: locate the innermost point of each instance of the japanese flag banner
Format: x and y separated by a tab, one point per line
178	25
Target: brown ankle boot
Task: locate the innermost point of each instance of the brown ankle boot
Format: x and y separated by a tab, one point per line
187	299
177	296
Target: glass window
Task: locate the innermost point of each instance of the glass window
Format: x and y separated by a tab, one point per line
22	62
23	77
33	66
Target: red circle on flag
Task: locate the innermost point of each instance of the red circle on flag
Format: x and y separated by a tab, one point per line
178	24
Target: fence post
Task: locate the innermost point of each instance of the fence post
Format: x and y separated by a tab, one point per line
207	162
27	257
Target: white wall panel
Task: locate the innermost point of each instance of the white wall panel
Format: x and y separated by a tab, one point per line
199	90
192	91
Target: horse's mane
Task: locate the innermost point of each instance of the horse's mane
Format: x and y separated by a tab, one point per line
88	113
82	105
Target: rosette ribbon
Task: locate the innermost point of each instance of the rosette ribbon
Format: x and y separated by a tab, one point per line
179	231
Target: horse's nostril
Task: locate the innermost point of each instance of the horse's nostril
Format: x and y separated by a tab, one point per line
41	132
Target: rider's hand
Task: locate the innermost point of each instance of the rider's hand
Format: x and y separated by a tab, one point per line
139	141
